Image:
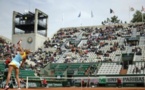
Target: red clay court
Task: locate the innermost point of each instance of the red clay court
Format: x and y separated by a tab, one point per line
75	88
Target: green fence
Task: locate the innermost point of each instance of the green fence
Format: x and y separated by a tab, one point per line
105	81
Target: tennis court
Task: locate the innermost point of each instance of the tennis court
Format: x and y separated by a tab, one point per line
76	88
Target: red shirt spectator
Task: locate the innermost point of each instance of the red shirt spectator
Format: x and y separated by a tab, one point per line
83	82
119	81
44	81
8	60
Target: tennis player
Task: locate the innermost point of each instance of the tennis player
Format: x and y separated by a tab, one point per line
15	64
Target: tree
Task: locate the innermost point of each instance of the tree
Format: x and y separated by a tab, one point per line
2	40
113	19
102	23
108	20
137	17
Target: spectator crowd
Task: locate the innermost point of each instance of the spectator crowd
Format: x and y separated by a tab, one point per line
66	46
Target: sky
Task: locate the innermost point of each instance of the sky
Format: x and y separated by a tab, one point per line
64	13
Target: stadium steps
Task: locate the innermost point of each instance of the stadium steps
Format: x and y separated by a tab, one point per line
80	36
123	71
61	59
63	46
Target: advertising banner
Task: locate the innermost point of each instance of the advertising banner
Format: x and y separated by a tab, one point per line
124	79
135	79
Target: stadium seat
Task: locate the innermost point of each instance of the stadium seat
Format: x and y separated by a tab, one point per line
109	69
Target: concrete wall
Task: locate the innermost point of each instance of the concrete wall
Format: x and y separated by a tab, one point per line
37	40
40	40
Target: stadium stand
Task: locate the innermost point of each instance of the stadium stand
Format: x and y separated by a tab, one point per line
94	51
89	44
87	51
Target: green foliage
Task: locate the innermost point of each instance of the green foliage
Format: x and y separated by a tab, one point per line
137	17
113	19
2	40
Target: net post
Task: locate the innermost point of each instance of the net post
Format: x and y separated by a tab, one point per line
27	82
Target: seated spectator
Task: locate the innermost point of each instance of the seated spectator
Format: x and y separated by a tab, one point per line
137	69
119	84
44	83
88	82
95	82
22	81
82	83
142	67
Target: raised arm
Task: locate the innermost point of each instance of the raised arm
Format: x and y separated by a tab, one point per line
19	46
